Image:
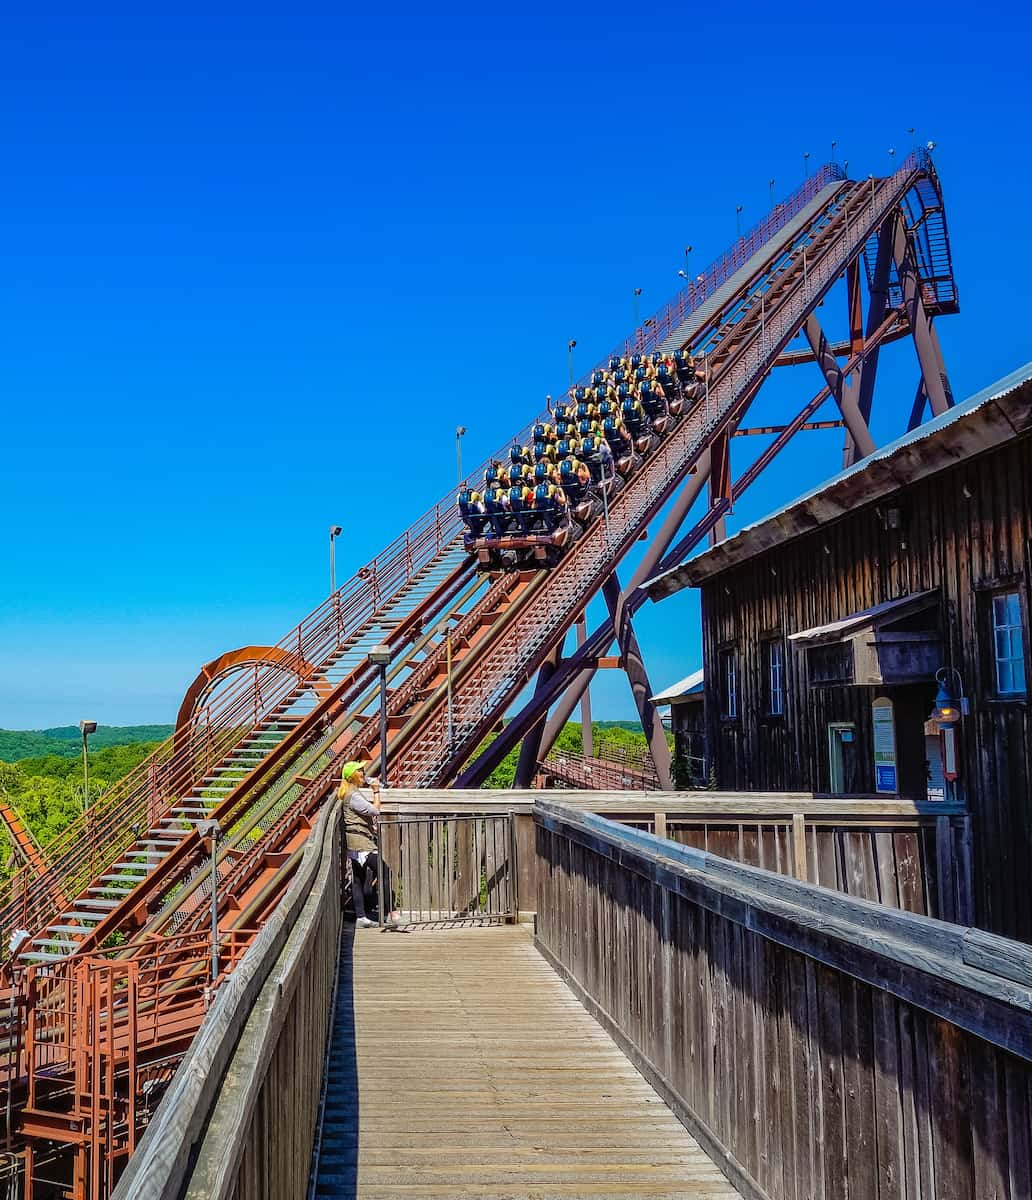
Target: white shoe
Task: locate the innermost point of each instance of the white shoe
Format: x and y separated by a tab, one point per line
365	923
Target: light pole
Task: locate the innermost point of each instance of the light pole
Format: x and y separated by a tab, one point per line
806	164
770	185
335	532
738	221
211	828
380	656
833	145
459	431
571	345
637	293
913	142
86	728
687	263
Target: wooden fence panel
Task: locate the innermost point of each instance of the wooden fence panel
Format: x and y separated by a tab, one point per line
817	1045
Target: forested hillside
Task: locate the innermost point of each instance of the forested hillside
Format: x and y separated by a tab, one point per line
66	740
46	791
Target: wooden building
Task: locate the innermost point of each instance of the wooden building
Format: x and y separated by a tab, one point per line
686	701
831	628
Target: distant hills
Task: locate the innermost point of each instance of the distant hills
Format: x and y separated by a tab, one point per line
66	741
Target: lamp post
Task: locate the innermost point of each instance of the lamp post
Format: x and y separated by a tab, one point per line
459	431
738	221
211	828
687	263
833	145
913	143
86	728
637	293
806	164
380	656
571	345
770	185
335	532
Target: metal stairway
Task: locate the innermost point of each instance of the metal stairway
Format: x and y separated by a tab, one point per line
97	907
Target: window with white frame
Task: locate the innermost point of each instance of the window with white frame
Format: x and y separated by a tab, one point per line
1008	644
729	680
775	677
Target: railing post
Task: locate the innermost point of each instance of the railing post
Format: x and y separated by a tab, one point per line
799	846
945	863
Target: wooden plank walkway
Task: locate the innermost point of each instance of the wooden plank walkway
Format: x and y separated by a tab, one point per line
461	1065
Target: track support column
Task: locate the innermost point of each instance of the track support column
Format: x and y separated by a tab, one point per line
845	396
530	747
926	341
633	663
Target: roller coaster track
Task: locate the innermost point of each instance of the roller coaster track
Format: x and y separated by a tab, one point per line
263	749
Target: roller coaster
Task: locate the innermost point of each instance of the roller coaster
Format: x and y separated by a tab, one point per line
111	963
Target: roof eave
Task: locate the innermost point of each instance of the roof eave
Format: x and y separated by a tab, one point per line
991	424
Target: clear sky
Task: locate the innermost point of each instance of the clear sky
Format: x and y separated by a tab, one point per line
252	257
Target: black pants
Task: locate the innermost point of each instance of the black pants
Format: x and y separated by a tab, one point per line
363	886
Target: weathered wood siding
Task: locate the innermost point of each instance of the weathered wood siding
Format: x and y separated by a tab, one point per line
965	531
817	1046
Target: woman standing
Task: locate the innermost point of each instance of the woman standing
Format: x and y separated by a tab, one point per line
361	814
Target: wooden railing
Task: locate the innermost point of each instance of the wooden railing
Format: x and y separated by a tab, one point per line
911	856
239	1117
816	1044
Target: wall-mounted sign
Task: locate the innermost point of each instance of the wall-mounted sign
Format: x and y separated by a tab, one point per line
948	733
884	721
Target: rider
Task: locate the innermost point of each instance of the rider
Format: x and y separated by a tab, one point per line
521	499
651	399
496	501
544	451
471	510
589	427
568	447
574	478
632	414
616	434
549	504
518	455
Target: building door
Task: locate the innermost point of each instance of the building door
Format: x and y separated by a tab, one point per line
842	759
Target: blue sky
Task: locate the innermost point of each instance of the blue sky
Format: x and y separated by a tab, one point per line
235	240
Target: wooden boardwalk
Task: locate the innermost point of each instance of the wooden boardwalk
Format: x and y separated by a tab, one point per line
461	1065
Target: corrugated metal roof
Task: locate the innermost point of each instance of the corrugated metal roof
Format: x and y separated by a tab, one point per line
965	430
691	685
